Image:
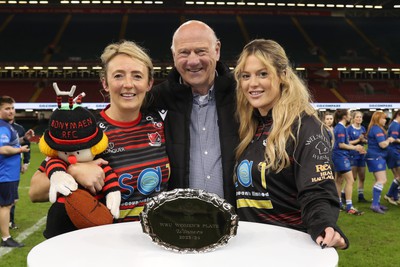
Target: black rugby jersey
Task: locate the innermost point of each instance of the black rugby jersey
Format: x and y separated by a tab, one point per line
302	196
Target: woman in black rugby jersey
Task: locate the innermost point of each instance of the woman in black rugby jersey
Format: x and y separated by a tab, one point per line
283	172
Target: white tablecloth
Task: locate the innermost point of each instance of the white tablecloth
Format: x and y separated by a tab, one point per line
125	244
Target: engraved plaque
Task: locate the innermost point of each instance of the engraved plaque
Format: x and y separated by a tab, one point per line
189	220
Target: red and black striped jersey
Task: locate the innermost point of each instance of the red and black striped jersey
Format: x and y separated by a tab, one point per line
136	152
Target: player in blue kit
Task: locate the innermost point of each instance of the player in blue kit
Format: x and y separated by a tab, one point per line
376	157
10	167
357	134
341	159
393	161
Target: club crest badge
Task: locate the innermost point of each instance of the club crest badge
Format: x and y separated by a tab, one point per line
155	139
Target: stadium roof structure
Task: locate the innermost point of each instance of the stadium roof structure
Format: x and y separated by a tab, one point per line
338	7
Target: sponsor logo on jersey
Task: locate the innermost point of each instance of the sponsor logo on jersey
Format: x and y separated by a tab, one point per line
112	149
156	124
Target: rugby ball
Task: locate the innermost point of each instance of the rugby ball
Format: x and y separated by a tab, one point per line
85	210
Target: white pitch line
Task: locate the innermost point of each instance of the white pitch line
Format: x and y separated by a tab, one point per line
22	236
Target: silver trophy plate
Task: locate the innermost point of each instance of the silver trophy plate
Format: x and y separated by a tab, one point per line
189	220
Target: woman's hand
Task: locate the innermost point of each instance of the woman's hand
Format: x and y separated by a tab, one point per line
90	175
331	238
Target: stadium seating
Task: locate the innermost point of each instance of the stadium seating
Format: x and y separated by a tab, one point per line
81	37
376	91
27	36
20	90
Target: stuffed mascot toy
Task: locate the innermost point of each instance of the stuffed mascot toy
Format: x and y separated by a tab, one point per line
72	137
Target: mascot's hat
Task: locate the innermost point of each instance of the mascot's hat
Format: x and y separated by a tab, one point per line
72	129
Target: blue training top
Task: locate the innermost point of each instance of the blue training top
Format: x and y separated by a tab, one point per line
375	136
354	133
341	136
10	165
394	131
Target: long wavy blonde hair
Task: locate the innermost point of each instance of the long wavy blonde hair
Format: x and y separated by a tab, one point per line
293	101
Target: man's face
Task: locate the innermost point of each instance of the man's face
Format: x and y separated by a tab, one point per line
196	53
7	112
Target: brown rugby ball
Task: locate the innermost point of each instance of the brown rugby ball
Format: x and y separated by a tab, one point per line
85	210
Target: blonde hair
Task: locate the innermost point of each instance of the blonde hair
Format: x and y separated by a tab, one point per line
129	48
354	114
293	101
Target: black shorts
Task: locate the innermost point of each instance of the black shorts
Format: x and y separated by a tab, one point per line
8	193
